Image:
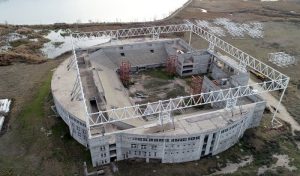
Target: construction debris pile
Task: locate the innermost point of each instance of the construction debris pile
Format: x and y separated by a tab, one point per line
236	30
218	31
281	59
4	109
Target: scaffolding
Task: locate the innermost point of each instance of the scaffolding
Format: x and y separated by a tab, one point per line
171	65
124	72
254	29
196	85
218	31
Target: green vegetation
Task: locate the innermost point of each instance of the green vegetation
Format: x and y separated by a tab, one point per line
65	33
158	73
159	77
44	32
30	117
20	42
57	44
176	91
262	143
155	83
45	140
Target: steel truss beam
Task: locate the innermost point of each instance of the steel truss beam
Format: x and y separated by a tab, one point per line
179	103
133	32
277	80
238	54
75	93
80	87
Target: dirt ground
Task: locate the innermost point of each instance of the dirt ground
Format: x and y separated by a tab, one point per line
19	82
33	141
154	85
36	143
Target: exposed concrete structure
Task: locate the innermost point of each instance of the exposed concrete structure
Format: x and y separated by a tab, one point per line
101	115
1	121
4	110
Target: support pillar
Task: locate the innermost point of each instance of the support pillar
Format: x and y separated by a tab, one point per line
211	47
276	123
76	91
190	38
230	104
164	116
72	60
243	66
155	36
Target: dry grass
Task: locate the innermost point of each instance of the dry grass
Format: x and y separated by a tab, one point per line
10	57
23	50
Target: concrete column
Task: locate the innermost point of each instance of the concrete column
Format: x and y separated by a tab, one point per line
190	38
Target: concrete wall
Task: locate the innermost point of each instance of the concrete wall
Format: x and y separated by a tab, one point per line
233	132
199	64
176	148
202	62
208	86
167	149
180	148
138	54
239	80
77	127
257	114
100	150
217	73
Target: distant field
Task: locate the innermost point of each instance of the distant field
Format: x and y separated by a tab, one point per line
25	148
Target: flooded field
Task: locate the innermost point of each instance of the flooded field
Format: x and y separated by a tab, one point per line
60	43
79	11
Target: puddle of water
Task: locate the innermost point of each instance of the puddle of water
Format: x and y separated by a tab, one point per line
11	37
15	36
60	44
71	11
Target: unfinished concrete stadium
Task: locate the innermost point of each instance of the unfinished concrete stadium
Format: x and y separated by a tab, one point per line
200	104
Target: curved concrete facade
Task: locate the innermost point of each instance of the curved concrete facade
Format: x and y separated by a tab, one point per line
191	136
166	148
173	148
77	127
64	106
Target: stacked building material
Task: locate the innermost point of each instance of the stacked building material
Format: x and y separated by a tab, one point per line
4	109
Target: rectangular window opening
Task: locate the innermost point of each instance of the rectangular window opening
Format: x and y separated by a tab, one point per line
94	106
